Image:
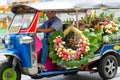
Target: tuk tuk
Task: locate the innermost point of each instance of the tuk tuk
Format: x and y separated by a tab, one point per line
90	44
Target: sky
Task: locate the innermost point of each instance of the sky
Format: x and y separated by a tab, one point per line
3	2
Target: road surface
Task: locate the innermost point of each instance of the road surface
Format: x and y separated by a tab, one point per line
80	76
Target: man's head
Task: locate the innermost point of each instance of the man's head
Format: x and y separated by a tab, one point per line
51	14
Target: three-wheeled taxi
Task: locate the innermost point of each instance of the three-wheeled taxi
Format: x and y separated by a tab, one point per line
90	44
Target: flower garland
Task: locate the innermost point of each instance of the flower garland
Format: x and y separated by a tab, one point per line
108	26
111	31
70	54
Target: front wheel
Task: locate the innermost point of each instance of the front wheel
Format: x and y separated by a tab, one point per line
108	66
6	70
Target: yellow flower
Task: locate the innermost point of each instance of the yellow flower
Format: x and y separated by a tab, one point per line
116	47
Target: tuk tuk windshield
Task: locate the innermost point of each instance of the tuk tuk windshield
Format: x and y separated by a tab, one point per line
21	21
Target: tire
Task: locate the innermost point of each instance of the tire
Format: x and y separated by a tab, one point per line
107	67
5	70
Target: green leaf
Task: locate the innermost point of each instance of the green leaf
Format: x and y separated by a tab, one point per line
94	41
94	48
86	31
53	55
54	34
90	55
51	48
92	34
112	16
72	64
59	61
102	16
84	61
50	40
62	34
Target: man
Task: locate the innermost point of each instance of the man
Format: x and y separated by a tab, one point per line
52	24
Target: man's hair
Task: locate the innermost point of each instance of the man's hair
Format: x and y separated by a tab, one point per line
49	11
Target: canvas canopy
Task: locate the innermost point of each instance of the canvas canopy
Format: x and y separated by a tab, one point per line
112	4
66	5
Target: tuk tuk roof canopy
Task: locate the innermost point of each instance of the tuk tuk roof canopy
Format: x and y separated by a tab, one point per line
66	5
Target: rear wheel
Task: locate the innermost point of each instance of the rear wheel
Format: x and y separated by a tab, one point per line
6	70
108	66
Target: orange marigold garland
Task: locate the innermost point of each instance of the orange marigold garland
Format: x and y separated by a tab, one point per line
108	26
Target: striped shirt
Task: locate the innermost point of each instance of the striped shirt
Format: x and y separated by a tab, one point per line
56	23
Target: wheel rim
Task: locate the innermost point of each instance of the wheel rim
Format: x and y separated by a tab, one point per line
110	67
7	76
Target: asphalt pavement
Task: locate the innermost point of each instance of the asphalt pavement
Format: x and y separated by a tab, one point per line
82	75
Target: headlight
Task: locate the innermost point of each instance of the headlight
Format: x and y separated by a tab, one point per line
7	39
26	40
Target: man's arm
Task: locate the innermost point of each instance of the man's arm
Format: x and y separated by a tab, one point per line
47	30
